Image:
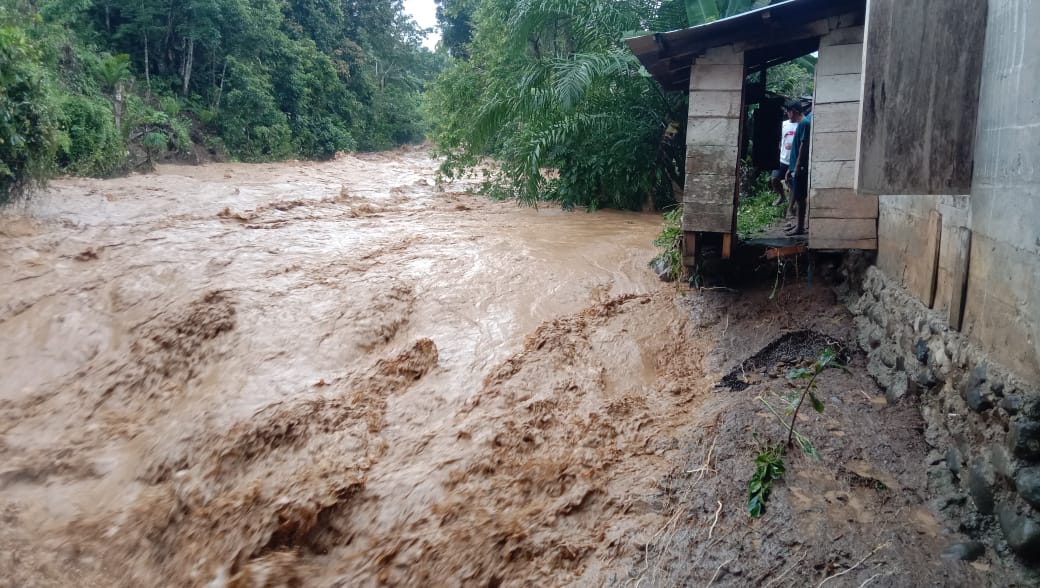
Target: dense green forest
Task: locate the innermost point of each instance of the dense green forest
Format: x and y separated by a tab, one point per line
545	88
548	88
98	87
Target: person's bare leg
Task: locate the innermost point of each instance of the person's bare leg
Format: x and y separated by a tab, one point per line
799	229
778	188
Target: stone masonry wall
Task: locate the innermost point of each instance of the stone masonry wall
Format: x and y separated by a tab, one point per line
983	423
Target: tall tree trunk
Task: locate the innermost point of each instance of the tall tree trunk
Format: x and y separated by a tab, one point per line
117	106
188	59
163	63
220	90
147	72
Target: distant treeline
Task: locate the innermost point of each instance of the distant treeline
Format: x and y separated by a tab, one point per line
96	87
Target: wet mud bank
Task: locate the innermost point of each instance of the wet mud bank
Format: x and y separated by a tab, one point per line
335	375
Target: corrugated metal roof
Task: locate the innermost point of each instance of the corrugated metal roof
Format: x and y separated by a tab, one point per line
667	56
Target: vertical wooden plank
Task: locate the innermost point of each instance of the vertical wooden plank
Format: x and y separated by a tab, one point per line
959	280
842	221
713	138
932	250
921	83
727	245
689	249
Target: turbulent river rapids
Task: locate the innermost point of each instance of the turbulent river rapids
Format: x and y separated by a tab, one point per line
329	374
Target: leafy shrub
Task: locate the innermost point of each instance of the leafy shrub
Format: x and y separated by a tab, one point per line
756	212
170	106
154	142
769	467
320	137
251	124
28	133
550	86
94	147
670	244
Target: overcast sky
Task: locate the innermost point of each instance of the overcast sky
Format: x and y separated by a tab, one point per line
425	13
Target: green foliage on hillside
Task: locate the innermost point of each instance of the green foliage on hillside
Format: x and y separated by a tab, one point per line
549	90
96	86
28	117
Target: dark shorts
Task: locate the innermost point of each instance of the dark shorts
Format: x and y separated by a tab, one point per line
799	188
779	172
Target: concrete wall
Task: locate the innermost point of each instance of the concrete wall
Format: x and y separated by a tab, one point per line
979	388
1003	301
1002	297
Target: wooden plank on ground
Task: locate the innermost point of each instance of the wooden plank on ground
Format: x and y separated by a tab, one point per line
959	278
789	251
842	203
920	259
839	88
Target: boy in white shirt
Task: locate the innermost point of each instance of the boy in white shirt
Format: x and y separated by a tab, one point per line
786	140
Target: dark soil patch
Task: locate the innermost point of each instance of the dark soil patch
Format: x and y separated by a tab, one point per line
861	511
788	350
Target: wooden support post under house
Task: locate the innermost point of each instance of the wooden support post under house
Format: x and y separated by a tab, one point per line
727	245
959	277
689	249
789	251
932	250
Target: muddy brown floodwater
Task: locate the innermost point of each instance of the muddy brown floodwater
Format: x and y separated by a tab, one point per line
329	371
335	374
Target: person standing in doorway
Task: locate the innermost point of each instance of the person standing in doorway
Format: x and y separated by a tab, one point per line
798	171
787	130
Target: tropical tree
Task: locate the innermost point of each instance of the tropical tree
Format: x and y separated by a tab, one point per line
551	91
548	88
29	134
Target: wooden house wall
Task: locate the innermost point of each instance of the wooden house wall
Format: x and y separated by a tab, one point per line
712	140
839	216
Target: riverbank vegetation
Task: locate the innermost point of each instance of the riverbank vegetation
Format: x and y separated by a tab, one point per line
549	89
545	88
99	87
